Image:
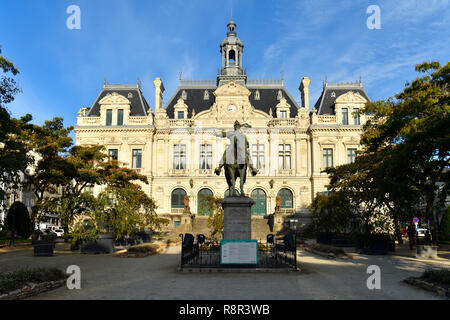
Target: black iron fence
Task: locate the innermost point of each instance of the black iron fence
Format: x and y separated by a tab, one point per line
281	253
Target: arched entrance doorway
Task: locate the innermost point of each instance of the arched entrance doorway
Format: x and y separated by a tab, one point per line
202	207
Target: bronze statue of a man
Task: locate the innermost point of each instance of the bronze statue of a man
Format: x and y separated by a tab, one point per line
236	159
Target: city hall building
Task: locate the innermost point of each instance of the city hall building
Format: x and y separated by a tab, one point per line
179	144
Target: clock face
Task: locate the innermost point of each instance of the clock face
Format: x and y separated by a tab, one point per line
231	108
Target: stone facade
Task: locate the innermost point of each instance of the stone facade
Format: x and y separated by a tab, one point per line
178	146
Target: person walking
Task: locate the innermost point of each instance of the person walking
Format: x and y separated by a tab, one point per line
411	235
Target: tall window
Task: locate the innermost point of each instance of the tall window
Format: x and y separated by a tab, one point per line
113	154
351	155
205	156
258	156
287	198
345	116
283	114
120	117
327	158
179	156
109	117
177	198
137	159
284	156
356	117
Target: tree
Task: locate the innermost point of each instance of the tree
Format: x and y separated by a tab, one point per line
8	85
50	145
412	132
122	207
213	205
14	156
19	217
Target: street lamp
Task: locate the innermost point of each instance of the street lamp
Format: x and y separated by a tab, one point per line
2	145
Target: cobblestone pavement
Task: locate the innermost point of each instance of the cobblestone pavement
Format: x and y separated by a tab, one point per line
156	277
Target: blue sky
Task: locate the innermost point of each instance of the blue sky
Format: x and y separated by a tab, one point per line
62	70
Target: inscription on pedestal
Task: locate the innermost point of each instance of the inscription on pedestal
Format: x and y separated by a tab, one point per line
237	218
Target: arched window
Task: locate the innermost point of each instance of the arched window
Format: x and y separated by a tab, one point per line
178	198
202	202
287	198
259	208
232	57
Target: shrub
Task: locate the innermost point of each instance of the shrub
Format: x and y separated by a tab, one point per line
22	224
144	248
441	276
17	279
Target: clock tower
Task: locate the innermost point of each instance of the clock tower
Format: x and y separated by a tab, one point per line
231	49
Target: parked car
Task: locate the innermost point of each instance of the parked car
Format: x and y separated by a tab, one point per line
59	232
421	232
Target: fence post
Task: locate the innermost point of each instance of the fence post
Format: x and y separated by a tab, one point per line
181	262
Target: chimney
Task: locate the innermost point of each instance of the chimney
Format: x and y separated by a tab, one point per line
305	92
159	90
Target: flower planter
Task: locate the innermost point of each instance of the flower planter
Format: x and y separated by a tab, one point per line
43	248
103	244
427	252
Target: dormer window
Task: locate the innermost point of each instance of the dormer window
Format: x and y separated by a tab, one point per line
180	114
333	94
283	114
257	97
130	95
206	95
120	117
184	95
109	117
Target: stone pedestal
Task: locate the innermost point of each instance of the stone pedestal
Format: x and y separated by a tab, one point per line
427	252
237	218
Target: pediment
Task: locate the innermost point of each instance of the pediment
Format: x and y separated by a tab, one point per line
136	142
114	99
232	89
351	97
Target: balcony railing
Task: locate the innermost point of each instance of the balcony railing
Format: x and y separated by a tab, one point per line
279	122
181	123
327	119
266	82
88	121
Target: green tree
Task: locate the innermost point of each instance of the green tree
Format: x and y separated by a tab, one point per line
213	205
14	157
50	145
412	133
18	213
8	85
121	208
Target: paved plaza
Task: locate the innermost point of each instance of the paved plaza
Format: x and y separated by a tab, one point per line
156	277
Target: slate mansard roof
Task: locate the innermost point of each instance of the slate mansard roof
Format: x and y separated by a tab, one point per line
139	106
268	99
325	103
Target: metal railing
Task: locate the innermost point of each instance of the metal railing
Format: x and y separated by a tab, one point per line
207	255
